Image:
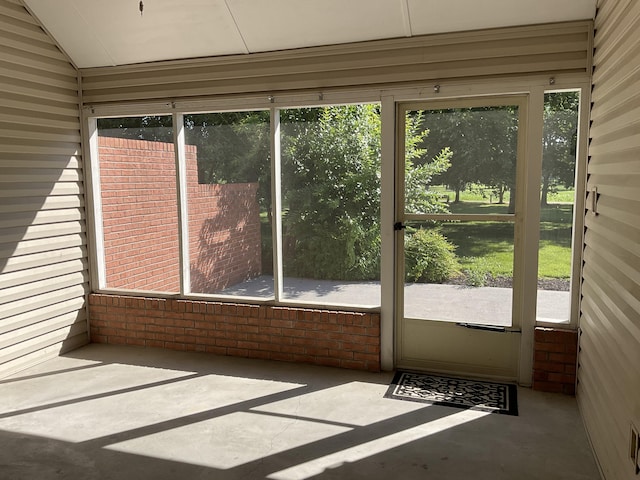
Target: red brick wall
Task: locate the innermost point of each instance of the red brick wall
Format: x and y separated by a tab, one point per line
224	234
140	221
321	337
139	213
554	368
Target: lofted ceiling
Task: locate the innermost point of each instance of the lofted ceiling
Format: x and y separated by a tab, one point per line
98	33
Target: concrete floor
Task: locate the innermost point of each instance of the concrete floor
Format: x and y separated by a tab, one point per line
107	412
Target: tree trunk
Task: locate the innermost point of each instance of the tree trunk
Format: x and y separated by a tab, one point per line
544	194
512	200
457	199
501	195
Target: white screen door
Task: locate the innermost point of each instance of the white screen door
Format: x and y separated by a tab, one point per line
458	224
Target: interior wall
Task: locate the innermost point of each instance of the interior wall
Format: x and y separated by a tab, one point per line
609	359
43	258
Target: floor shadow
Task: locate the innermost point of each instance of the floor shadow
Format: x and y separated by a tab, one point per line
269	434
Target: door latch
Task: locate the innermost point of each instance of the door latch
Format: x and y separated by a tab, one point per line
399	226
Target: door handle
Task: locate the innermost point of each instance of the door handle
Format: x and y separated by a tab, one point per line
399	226
489	328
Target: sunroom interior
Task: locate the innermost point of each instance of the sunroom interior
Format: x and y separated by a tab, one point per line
237	181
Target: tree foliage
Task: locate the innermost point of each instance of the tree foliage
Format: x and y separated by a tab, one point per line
419	169
233	147
483	143
155	128
560	136
331	189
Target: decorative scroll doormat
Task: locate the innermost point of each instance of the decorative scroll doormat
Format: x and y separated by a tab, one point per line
454	392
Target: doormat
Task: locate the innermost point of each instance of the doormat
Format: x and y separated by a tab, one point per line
454	392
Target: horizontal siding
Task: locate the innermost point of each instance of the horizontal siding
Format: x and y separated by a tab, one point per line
609	361
527	50
43	255
60	253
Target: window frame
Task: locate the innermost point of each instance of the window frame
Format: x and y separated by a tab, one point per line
98	278
534	87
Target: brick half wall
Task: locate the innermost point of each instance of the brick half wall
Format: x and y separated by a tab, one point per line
554	367
319	337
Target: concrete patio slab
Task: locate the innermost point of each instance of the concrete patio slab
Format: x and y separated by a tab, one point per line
454	303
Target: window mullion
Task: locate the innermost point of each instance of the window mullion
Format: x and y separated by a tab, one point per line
95	200
276	204
181	192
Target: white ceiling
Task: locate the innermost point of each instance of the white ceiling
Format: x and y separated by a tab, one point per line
112	32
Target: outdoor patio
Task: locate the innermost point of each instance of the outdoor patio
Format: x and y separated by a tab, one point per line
456	303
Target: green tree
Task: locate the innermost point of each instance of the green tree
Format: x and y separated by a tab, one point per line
559	142
448	129
331	192
331	189
233	147
155	128
482	141
419	169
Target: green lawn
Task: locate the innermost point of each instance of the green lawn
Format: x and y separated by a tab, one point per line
481	194
487	247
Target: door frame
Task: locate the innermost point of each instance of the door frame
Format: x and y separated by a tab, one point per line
499	350
535	87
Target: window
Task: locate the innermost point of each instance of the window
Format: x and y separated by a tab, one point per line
319	240
139	207
459	199
558	191
330	204
228	169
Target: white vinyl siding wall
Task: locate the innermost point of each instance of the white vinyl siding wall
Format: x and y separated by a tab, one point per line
609	361
43	258
542	49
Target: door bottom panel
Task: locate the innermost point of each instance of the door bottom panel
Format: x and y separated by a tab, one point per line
449	348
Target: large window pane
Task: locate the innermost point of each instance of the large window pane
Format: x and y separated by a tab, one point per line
556	205
465	155
331	204
139	206
229	203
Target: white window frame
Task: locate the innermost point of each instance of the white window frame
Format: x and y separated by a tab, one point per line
534	86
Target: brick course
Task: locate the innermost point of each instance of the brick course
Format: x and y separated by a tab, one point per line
555	359
320	337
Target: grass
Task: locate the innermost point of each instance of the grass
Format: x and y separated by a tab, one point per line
481	194
486	248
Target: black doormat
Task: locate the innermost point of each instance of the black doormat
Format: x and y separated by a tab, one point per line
454	392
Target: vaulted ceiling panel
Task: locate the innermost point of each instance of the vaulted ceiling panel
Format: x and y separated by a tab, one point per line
285	24
439	16
114	32
102	33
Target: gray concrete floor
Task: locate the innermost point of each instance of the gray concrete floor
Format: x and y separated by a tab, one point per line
425	301
108	412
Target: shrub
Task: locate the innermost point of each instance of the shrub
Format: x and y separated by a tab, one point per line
475	277
429	257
